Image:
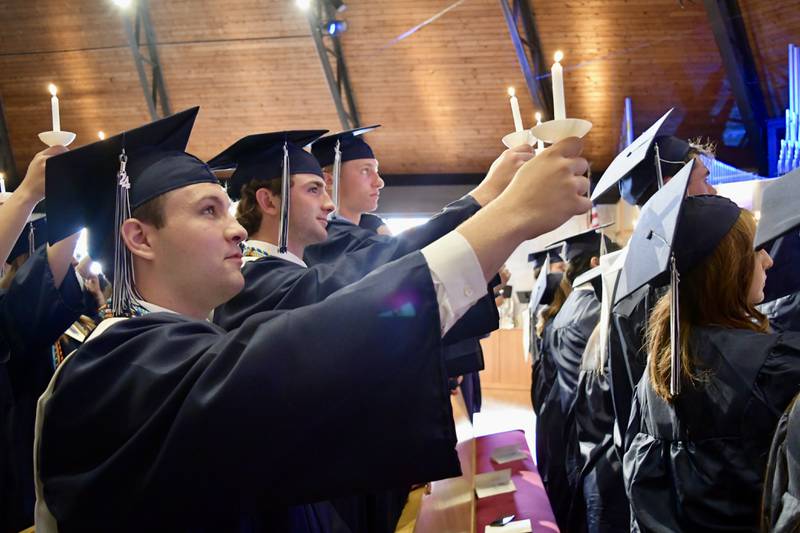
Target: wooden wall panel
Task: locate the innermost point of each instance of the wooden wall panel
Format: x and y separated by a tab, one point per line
440	92
772	26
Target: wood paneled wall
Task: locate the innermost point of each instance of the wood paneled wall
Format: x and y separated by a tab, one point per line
440	92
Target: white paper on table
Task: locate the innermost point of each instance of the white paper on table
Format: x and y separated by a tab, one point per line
493	483
518	526
506	454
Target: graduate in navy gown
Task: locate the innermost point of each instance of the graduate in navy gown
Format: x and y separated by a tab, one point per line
281	280
700	431
278	279
627	356
39	299
164	420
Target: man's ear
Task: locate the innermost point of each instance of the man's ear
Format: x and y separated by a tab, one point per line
328	177
136	235
595	262
268	202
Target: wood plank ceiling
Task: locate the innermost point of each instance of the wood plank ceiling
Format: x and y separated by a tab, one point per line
439	93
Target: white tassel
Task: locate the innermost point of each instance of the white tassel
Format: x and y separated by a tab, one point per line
337	176
123	295
675	331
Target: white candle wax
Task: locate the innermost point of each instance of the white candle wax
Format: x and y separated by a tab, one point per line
2	183
557	73
539	143
515	110
54	108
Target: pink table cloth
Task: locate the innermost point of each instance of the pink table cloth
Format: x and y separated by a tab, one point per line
528	501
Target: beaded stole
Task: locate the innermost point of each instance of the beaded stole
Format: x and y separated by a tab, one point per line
252	251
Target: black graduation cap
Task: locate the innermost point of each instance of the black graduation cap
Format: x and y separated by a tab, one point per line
268	156
674	235
98	185
640	151
638	186
780	210
33	236
538	258
261	156
540	285
339	148
591	241
351	145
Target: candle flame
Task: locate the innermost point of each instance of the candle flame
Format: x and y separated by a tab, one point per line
538	116
511	91
101	135
559	55
53	89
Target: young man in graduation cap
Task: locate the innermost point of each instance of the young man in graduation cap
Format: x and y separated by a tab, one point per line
39	298
275	275
351	172
165	420
281	280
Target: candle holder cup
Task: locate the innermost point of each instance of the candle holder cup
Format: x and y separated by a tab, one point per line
57	138
553	131
517	138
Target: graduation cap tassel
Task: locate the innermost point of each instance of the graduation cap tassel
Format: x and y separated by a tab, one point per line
659	175
123	296
675	331
283	237
31	242
337	174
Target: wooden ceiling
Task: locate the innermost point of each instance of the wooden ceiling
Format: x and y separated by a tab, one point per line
439	93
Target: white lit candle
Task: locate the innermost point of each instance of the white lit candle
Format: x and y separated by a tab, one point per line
54	106
515	109
2	183
101	135
539	143
557	73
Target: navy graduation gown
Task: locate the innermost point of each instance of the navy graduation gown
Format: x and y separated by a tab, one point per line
627	353
572	327
600	503
194	427
699	465
565	343
781	507
345	237
550	431
783	313
33	315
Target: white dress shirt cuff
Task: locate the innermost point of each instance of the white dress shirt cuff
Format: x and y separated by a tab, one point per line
457	277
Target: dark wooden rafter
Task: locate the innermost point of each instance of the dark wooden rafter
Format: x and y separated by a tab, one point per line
334	66
730	34
521	24
136	24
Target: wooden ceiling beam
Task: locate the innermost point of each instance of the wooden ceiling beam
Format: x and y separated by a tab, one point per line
727	25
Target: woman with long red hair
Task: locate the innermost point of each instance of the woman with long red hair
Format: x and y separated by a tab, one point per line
695	461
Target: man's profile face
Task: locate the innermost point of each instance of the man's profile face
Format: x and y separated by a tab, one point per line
197	250
698	180
310	207
360	185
